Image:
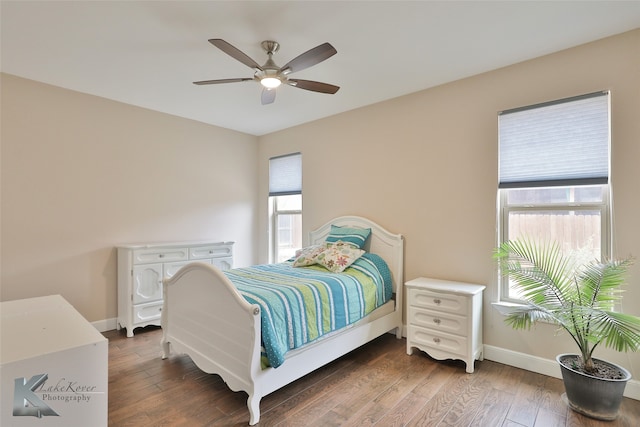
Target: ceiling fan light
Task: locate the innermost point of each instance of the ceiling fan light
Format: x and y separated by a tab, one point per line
270	82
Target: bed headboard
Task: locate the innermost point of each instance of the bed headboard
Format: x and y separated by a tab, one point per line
382	242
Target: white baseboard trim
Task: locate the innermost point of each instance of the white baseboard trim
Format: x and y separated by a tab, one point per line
542	366
105	325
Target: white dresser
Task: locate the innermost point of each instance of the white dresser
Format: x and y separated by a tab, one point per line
141	269
444	319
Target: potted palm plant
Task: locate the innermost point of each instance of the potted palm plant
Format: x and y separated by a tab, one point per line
580	299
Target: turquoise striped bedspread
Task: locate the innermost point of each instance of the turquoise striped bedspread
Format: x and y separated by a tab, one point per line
300	305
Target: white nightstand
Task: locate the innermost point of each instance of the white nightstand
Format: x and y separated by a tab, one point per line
444	319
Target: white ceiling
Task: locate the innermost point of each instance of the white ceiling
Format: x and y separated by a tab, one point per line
148	53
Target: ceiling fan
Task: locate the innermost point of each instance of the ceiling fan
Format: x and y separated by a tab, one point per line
270	75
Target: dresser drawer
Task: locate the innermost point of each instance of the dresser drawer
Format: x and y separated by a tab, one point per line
145	256
211	251
438	321
440	341
450	303
146	312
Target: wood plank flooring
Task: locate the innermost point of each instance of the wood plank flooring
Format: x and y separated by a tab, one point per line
375	385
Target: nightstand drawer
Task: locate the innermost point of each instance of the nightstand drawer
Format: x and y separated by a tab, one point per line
438	321
428	339
451	303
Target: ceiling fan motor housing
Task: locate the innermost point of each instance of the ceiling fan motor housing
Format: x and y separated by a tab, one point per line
270	46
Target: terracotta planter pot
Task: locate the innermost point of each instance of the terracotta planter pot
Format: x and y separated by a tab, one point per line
598	398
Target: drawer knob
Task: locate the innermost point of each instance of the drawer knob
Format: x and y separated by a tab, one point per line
161	256
436	340
437	301
437	321
210	252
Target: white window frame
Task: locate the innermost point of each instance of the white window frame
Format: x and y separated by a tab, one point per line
504	209
275	231
285	180
603	207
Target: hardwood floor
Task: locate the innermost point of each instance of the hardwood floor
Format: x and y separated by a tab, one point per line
377	384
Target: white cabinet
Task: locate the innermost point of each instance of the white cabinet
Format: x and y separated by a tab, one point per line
444	319
146	278
141	269
55	360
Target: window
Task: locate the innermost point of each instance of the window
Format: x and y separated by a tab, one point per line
554	176
285	206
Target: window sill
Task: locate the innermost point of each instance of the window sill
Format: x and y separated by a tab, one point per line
505	308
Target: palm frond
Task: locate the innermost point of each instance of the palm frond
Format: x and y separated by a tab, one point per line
615	330
579	299
538	272
525	316
601	283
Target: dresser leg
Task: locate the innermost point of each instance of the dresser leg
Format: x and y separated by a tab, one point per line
470	367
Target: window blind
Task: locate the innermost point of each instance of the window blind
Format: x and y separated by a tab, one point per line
285	175
564	142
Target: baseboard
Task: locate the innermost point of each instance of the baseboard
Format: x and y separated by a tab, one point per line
105	325
542	366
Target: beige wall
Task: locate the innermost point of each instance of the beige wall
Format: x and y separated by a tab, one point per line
82	174
425	165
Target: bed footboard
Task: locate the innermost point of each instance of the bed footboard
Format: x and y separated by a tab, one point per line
205	317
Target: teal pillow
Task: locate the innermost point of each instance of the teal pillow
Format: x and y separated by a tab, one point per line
355	236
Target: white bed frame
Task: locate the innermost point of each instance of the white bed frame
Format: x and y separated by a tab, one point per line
206	318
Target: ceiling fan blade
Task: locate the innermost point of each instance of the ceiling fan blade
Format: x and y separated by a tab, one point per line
235	53
313	86
309	58
268	96
213	82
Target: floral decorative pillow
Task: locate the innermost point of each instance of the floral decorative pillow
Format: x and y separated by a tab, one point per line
338	256
307	256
